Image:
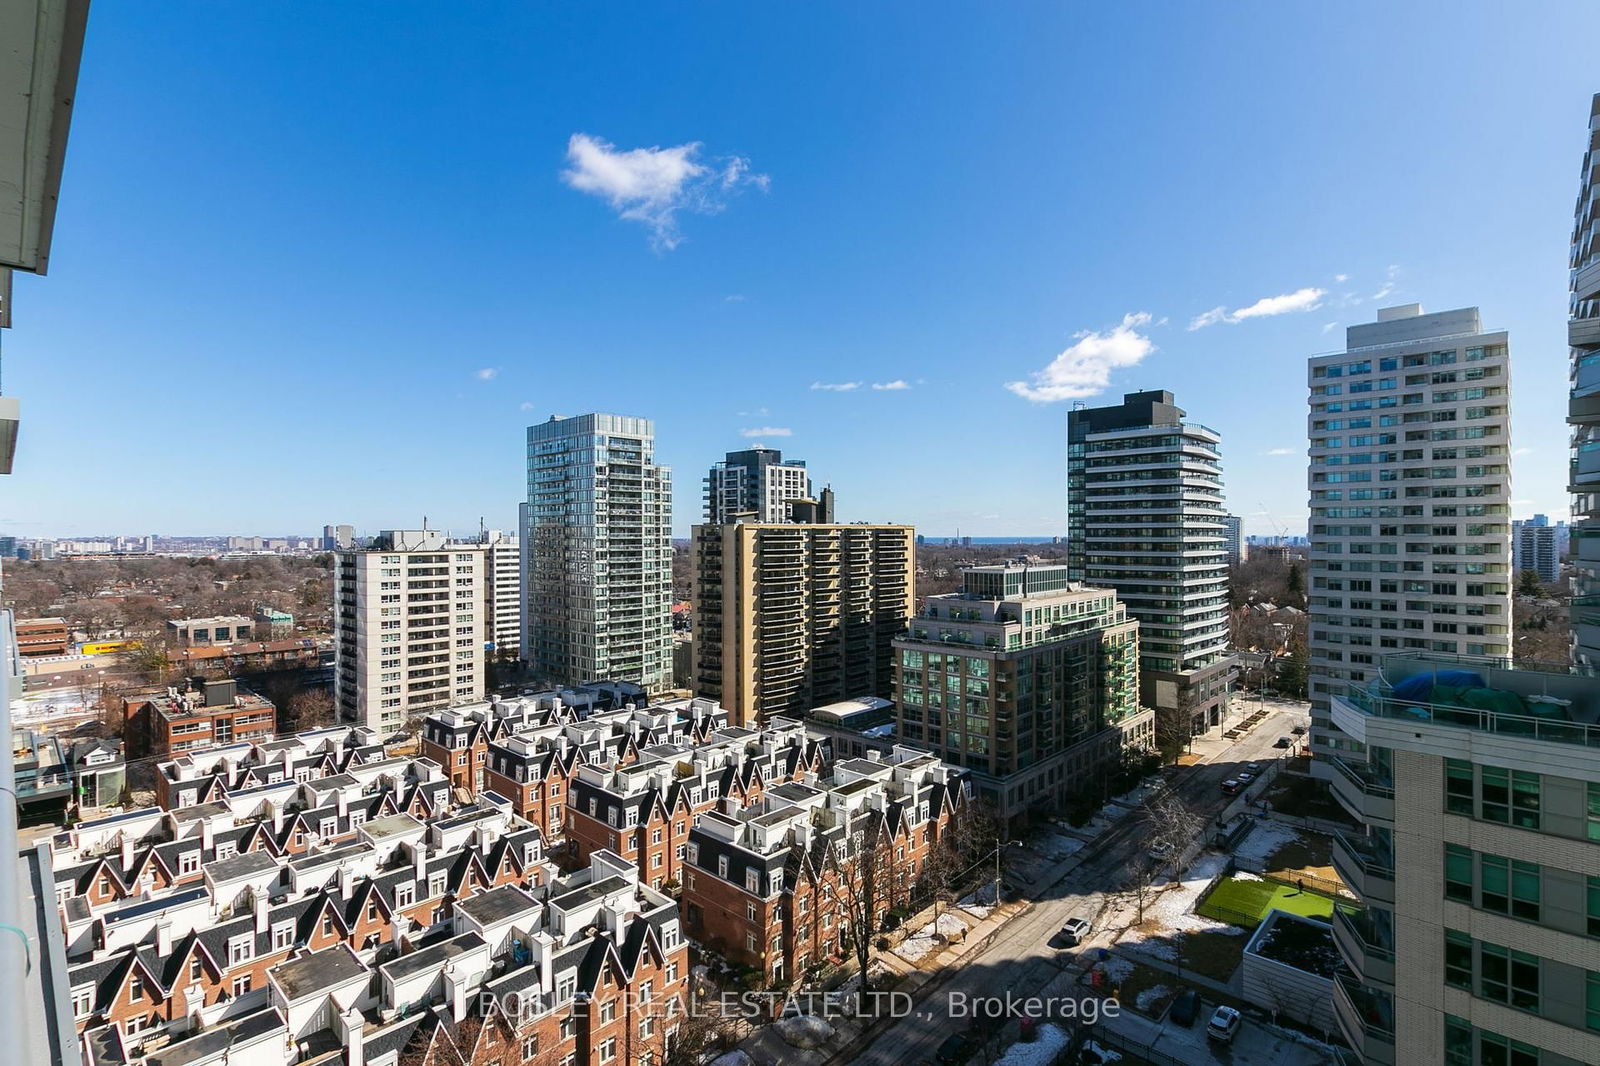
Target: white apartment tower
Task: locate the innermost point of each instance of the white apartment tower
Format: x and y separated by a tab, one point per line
597	553
756	484
1410	489
409	627
502	592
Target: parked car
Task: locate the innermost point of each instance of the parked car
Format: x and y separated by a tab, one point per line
1253	767
1284	742
1163	851
1224	1025
1245	779
1231	785
1186	1008
1298	730
954	1051
1073	930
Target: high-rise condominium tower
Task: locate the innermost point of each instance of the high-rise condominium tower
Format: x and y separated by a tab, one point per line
1233	538
1145	517
502	592
758	484
409	626
597	553
794	615
1583	412
1410	501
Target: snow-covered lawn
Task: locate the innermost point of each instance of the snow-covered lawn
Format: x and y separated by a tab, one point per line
1169	912
980	903
1265	840
1149	996
918	945
1048	1042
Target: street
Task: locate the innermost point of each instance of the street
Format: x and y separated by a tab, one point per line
1020	960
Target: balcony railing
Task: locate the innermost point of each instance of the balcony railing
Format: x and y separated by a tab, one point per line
1519	725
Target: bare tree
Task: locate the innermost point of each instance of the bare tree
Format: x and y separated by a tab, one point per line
311	709
866	883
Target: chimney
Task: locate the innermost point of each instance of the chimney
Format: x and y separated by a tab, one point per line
277	817
127	851
419	860
164	937
207	835
260	903
346	876
354	1049
341	804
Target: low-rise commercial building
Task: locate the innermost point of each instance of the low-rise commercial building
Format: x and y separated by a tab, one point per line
201	713
38	637
203	632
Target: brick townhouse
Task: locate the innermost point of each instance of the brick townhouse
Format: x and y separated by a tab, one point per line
527	749
762	882
590	969
644	809
458	738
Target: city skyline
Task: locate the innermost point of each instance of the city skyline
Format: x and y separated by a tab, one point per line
687	261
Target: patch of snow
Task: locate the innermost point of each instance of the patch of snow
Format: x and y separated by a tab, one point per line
1170	911
804	1031
1056	846
1048	1042
736	1057
1144	1000
1265	840
1246	875
920	944
1118	969
980	903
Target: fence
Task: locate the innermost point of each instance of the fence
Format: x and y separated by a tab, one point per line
1309	882
1112	1039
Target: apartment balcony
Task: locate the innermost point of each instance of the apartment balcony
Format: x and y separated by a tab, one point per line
1366	1020
1365	948
1365	867
1361	792
1561	708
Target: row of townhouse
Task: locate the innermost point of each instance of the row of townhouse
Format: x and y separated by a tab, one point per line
645	809
529	749
587	968
215	772
786	882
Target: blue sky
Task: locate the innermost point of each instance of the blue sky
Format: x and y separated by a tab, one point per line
325	263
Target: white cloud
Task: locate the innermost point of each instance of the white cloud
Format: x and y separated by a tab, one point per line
837	386
527	406
1521	451
1084	368
891	386
651	185
488	373
758	412
1329	327
1388	284
1341	277
1306	299
1282	451
733	298
767	431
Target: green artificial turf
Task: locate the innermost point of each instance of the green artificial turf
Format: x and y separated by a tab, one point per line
1240	902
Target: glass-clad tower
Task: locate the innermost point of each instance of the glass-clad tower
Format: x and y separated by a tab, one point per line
597	553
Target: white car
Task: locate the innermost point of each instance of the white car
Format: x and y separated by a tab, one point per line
1163	851
1224	1025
